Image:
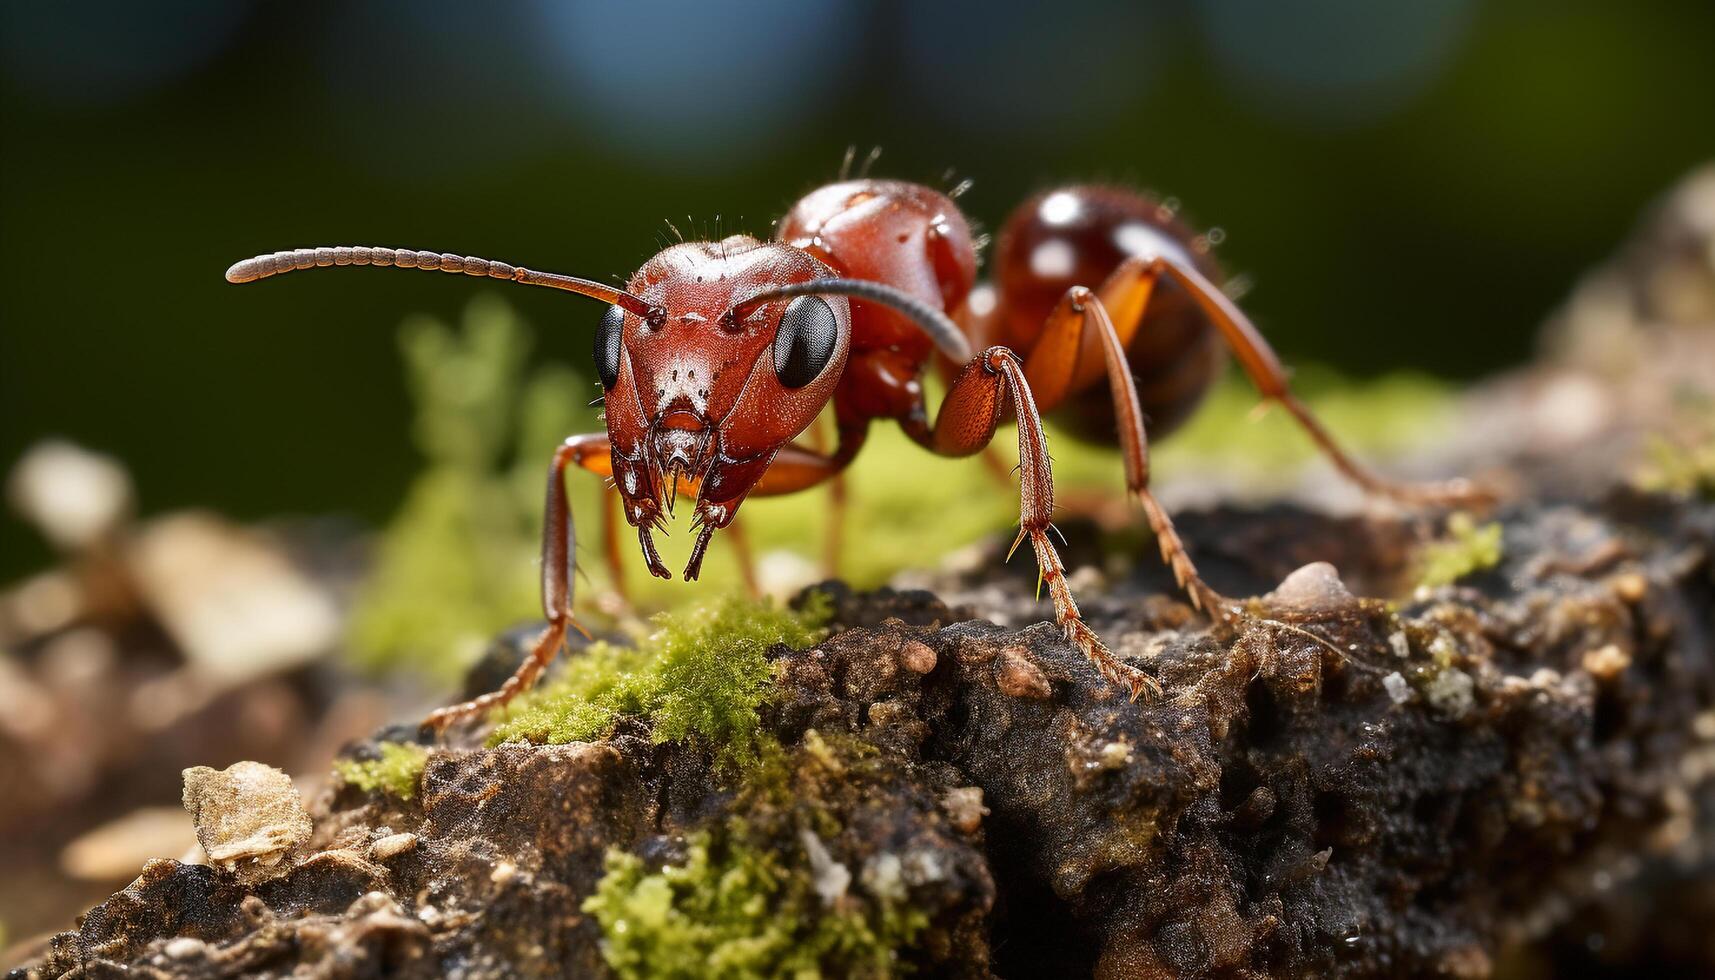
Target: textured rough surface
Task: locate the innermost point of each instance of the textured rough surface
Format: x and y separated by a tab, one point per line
1348	787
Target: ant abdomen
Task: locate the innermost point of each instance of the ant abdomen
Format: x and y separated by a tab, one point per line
1078	236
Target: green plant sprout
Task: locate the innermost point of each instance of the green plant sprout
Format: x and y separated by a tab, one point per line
1468	548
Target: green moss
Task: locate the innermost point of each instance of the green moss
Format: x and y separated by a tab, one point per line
1685	468
1467	549
743	903
397	771
732	910
703	673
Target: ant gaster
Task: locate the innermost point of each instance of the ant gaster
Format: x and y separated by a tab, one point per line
1105	308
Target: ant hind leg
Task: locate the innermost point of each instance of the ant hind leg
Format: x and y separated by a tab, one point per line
1263	368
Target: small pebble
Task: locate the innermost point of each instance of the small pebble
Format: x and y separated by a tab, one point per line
917	657
1314	588
1115	755
882	714
964	806
184	948
1631	587
1704	726
1607	662
1451	692
370	903
1401	645
248	817
1397	688
923	866
392	845
1019	677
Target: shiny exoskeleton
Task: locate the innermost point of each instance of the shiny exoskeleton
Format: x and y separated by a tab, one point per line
1105	309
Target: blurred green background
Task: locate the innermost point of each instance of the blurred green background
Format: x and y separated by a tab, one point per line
1405	185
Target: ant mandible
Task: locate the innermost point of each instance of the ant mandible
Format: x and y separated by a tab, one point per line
717	355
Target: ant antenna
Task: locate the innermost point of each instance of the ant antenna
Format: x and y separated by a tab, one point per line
943	331
275	263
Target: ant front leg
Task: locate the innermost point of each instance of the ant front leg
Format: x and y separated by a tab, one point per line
559	549
744	557
1051	373
839	502
834	545
612	518
1263	368
802	467
965	424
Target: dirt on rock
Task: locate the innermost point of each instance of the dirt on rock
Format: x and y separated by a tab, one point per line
1353	788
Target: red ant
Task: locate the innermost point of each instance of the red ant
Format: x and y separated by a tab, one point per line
716	355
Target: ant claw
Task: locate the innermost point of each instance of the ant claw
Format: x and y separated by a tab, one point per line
651	557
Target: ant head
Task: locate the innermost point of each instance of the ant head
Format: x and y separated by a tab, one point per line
706	390
712	359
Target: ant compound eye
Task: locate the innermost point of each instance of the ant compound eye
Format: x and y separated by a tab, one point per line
607	345
804	344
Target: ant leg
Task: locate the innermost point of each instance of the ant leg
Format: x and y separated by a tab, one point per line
838	504
559	548
838	498
1263	367
742	554
1079	315
796	468
966	422
611	520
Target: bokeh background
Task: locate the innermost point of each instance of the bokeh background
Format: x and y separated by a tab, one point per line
339	475
1404	184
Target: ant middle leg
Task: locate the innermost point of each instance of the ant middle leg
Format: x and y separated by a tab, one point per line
1051	369
800	467
979	396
